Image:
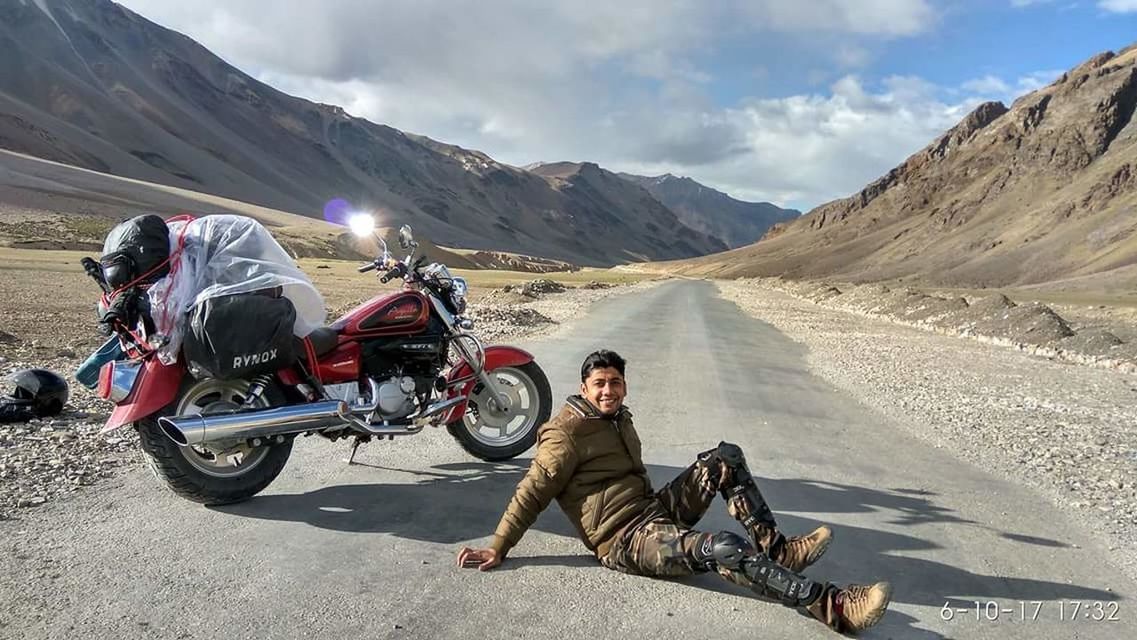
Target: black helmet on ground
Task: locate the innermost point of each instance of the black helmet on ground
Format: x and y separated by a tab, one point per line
41	391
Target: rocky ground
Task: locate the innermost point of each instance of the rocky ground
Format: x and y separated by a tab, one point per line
1097	339
1068	430
47	458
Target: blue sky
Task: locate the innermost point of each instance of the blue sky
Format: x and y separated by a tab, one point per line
781	100
967	40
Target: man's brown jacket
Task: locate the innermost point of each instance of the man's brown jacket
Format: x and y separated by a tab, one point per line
592	466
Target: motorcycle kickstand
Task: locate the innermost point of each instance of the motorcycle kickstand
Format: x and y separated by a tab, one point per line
355	447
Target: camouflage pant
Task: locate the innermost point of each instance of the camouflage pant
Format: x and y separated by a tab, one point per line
660	543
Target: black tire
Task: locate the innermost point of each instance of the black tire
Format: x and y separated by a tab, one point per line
484	451
170	465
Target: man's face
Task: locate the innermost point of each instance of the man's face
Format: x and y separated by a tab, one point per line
605	389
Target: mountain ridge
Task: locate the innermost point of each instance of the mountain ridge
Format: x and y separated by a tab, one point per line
736	222
1043	190
95	85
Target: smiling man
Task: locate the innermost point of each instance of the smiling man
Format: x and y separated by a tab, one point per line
589	459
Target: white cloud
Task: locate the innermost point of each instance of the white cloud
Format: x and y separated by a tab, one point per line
992	87
1037	80
988	84
806	149
1119	6
615	83
886	17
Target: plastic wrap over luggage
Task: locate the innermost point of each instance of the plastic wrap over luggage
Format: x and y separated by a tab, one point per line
224	255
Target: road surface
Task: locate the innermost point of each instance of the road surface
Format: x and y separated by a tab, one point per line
367	551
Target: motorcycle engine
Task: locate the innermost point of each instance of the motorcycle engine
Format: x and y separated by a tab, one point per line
397	397
405	368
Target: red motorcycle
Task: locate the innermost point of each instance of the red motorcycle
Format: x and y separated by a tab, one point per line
390	367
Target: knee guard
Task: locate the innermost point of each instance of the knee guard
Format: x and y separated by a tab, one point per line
775	581
730	552
740	485
724	549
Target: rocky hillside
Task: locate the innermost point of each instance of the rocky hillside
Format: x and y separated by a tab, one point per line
713	212
609	200
1042	191
91	84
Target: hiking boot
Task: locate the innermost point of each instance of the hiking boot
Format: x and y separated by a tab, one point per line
799	552
854	608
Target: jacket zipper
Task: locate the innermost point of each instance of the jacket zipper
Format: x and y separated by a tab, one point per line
596	509
620	433
600	499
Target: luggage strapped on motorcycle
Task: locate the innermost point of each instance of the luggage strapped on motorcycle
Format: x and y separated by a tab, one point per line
137	342
228	262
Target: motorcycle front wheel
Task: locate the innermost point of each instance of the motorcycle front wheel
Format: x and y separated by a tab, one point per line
494	432
212	476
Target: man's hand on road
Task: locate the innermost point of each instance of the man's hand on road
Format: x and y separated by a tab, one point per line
483	559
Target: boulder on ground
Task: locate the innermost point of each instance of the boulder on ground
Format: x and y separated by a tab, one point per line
1033	323
594	284
535	288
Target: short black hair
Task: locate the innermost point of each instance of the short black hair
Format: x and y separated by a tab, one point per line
601	359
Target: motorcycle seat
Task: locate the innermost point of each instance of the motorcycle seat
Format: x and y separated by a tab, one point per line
324	340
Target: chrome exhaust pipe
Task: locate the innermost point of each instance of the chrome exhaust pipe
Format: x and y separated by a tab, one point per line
261	423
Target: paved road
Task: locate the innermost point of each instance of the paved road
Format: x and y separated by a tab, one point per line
332	551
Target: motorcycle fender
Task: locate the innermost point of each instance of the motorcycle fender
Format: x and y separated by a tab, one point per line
155	387
496	356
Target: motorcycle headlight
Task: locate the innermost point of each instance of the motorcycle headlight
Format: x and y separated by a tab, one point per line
458	290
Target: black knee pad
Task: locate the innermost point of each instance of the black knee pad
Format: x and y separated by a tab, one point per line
723	549
731	454
731	552
727	453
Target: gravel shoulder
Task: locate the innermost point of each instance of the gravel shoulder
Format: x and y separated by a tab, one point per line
1068	430
45	459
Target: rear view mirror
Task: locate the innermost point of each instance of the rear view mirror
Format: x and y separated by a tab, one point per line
406	238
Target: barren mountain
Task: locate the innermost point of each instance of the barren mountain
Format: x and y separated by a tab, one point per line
50	205
598	194
1043	191
91	84
713	212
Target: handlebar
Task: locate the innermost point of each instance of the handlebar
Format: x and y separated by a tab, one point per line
95	271
398	271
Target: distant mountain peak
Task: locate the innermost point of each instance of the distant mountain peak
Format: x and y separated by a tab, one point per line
733	221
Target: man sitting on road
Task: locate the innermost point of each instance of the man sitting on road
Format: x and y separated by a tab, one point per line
588	458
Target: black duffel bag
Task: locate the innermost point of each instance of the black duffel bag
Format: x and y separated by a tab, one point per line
240	336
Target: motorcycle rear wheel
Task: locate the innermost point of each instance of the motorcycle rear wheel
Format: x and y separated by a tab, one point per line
198	474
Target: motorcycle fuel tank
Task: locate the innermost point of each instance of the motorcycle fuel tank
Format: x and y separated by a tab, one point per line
393	314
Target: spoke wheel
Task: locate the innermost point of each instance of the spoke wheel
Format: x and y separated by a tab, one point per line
222	473
225	460
502	427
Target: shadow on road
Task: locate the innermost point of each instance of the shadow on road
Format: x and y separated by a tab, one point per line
456	503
